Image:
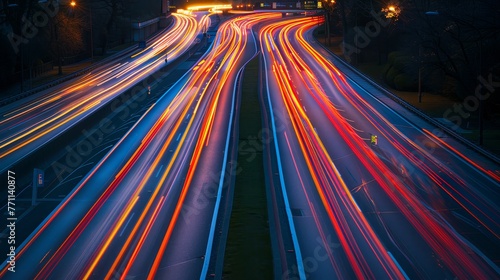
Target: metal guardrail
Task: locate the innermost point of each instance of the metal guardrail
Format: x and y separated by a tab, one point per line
415	110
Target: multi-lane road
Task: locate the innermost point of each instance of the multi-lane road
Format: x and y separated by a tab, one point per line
375	211
149	208
353	209
29	123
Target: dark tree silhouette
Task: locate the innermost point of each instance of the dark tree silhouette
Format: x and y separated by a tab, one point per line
460	38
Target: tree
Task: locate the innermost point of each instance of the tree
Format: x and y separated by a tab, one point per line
358	15
65	36
460	38
113	15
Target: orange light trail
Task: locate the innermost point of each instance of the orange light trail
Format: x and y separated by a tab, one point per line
232	35
441	239
324	174
64	107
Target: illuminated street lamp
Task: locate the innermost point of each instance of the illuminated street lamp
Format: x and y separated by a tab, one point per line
392	11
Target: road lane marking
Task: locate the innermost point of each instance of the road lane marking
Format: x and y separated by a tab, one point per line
298	254
158	173
126	224
396	262
45	256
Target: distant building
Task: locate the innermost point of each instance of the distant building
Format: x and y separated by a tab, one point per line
308	4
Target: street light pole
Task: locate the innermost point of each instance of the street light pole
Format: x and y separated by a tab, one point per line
73	4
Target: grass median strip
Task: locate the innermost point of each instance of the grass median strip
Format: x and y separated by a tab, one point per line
248	251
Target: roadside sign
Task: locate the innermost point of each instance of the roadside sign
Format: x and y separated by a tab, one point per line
38	178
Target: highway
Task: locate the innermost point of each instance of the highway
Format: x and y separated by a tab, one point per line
29	123
149	208
362	210
351	208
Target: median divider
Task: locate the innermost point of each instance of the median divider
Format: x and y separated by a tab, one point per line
248	248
